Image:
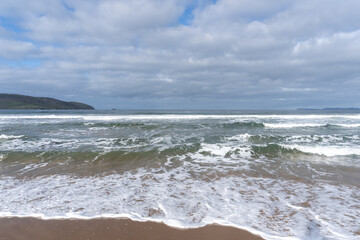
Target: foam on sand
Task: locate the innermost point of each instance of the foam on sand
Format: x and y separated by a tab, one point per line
177	199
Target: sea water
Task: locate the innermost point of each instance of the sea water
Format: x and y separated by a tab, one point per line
280	174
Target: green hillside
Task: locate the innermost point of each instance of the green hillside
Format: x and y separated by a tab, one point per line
15	101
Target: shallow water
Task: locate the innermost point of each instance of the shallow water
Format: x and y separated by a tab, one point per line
287	174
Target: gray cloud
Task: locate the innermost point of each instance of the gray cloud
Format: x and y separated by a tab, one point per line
234	53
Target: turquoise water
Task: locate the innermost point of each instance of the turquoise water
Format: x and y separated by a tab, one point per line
282	174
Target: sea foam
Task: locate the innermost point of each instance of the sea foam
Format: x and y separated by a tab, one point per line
179	200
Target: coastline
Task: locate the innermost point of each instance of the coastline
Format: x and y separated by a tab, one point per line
111	228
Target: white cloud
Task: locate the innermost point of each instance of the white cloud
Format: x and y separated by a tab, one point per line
299	89
336	47
12	49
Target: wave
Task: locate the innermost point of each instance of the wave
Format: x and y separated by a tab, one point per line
89	162
283	150
275	150
349	125
244	125
329	151
265	139
146	126
309	125
4	136
301	139
72	144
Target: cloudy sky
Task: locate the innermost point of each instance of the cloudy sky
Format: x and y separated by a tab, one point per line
183	54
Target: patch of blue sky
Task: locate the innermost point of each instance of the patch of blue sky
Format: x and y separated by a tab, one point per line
67	7
24	63
188	15
11	25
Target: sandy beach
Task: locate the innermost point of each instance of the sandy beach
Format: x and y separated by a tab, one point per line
37	229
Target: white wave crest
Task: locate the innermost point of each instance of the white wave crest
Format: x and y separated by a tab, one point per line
329	151
301	125
3	136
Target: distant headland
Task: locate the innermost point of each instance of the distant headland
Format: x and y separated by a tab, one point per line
19	102
330	109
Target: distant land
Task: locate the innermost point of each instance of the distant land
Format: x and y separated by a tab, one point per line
330	109
15	101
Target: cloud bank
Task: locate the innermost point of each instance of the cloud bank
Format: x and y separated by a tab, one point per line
225	54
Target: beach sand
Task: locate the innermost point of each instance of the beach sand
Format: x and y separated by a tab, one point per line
38	229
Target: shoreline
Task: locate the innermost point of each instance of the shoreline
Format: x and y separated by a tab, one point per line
31	228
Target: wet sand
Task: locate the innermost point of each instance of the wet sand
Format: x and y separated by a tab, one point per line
37	229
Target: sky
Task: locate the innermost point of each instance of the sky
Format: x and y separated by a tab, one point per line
183	54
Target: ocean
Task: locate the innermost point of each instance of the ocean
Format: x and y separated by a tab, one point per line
280	174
